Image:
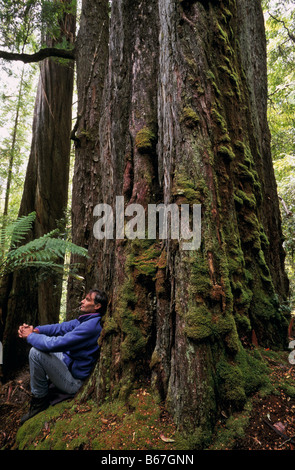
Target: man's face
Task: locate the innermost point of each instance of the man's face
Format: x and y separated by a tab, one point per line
87	304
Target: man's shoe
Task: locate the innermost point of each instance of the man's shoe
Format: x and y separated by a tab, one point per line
36	406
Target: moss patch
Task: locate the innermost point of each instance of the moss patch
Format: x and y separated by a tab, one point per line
226	152
144	257
193	191
239	380
145	140
189	117
141	423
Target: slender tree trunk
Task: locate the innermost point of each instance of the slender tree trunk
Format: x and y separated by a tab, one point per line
28	298
12	150
183	120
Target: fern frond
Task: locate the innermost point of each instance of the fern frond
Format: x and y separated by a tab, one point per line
46	252
43	250
16	231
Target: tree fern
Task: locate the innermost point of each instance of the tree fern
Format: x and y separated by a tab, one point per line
47	252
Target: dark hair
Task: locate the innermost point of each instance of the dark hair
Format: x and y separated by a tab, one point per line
100	298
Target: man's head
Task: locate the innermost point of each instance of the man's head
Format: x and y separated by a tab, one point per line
95	301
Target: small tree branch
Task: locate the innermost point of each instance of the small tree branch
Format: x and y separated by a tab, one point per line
291	35
288	212
40	55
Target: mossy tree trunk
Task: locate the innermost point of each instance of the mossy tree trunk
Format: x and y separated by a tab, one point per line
182	119
26	296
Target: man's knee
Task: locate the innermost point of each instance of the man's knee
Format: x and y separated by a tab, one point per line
35	355
32	353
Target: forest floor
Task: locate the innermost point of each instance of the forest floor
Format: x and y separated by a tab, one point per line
269	424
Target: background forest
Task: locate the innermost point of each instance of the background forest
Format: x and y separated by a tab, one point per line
167	103
280	18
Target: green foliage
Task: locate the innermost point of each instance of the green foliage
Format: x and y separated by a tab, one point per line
30	21
15	232
16	105
280	27
280	33
45	252
17	21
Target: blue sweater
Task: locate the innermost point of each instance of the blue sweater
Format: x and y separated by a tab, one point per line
77	339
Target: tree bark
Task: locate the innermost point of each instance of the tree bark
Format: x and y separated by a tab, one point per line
27	298
183	120
92	56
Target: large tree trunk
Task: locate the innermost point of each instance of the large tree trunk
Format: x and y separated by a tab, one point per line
29	299
183	120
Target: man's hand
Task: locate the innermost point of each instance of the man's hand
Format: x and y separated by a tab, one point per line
25	330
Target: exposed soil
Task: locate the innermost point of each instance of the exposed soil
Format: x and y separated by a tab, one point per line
271	425
272	420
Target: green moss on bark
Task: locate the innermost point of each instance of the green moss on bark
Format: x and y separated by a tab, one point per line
145	140
189	117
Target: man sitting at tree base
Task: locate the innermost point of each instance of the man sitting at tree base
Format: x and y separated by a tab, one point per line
64	352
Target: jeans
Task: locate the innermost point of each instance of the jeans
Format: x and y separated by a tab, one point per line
44	366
